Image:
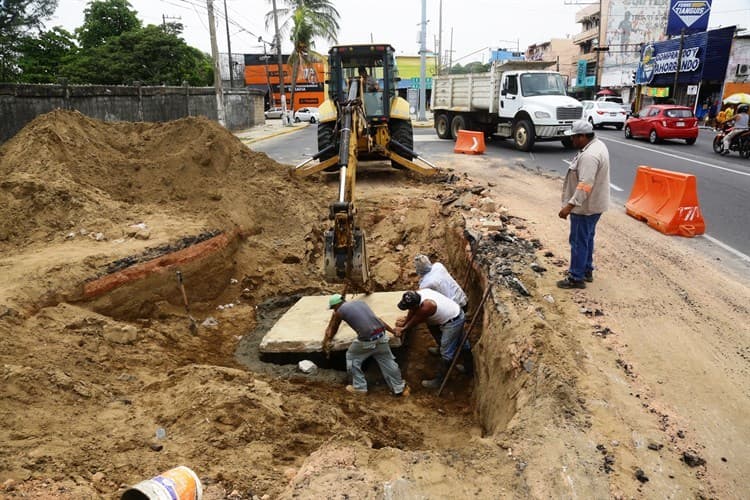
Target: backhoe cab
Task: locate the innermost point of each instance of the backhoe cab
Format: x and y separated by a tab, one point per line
363	118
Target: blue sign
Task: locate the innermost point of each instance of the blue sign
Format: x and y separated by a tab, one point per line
590	81
581	74
688	16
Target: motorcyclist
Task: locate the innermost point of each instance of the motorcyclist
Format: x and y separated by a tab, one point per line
741	125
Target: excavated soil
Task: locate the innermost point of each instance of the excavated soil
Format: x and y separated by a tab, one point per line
621	390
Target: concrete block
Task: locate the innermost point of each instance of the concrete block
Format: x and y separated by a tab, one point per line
303	326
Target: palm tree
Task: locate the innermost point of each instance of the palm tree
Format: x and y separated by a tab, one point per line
303	22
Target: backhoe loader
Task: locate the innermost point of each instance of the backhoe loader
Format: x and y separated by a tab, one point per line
363	118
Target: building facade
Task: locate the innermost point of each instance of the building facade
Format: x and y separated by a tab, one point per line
562	51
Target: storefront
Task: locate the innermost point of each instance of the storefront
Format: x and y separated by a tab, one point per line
703	65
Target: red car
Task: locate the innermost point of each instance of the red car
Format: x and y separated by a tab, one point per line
663	121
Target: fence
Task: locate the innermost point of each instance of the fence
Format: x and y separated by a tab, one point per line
21	103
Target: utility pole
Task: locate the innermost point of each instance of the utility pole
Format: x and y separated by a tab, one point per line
282	93
422	63
450	53
215	56
268	77
679	63
229	46
440	41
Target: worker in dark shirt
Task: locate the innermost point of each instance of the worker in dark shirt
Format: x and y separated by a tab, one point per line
371	341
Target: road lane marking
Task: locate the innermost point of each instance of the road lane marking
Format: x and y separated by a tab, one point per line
616	188
705	164
726	247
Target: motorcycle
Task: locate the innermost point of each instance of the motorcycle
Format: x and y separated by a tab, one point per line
740	143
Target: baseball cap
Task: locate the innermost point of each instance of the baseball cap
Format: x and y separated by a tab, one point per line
335	300
580	127
422	264
409	300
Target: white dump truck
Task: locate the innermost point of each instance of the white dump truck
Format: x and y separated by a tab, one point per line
518	99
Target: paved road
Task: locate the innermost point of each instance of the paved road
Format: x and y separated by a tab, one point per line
723	182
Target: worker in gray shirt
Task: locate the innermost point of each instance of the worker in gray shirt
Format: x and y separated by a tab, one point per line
585	196
371	341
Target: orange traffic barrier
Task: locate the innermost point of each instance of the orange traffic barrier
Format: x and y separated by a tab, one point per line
667	201
469	142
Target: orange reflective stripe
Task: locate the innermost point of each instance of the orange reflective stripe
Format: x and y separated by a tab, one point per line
584	187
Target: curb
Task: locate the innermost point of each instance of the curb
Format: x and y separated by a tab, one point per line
283	131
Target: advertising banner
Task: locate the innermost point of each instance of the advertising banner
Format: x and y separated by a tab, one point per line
581	73
630	23
688	16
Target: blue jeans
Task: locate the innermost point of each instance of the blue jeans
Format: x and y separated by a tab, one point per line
450	337
379	349
582	230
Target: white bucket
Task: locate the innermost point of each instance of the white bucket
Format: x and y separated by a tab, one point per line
179	483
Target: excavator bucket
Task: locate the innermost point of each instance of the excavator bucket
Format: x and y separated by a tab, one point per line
344	263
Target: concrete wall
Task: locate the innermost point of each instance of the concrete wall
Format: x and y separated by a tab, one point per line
19	104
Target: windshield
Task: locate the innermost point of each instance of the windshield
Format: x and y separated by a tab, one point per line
542	84
608	105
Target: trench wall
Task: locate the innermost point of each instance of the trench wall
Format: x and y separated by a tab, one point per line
21	103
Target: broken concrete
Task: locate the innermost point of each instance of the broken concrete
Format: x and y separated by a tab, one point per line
303	326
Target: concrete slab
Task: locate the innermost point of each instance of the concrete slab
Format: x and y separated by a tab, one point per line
303	326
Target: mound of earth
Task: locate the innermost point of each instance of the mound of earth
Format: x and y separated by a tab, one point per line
606	392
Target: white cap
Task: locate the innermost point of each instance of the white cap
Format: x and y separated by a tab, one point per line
580	127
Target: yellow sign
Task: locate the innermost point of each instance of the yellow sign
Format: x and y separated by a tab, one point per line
655	91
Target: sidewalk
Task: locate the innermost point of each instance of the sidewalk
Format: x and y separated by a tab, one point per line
274	127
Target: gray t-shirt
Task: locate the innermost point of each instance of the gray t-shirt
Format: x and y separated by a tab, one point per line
741	121
360	317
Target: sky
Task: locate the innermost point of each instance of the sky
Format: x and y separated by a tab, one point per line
474	25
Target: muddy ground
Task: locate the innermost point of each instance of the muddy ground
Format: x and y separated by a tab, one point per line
637	387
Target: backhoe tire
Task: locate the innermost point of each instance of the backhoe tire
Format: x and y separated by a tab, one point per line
443	126
401	132
457	123
326	138
523	135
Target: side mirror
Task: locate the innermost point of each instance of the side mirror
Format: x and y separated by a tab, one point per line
503	92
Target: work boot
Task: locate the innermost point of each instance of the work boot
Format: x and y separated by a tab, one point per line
403	394
569	283
435	383
435	351
351	389
468	366
588	277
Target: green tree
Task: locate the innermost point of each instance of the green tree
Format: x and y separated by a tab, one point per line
304	21
41	57
149	55
18	18
104	19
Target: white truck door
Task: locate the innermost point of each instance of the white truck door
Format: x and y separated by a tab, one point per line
510	96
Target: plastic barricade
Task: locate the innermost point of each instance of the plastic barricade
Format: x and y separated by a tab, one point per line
667	201
469	142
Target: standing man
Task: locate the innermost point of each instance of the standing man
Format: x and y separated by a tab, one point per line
371	341
435	309
370	83
585	197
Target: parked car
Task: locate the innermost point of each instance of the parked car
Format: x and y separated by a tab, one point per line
273	113
306	115
663	121
616	99
601	113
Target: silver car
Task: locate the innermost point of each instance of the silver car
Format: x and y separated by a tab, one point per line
273	113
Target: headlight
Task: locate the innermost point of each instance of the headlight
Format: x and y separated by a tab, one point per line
541	114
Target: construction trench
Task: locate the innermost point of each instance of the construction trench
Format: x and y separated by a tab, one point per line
105	385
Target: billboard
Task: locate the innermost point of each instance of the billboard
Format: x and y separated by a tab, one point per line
630	23
262	73
688	16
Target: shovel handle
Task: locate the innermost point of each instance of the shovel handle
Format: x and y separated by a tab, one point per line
182	289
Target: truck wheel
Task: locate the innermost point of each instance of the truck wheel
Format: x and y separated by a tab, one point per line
326	137
458	123
523	135
443	126
401	132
